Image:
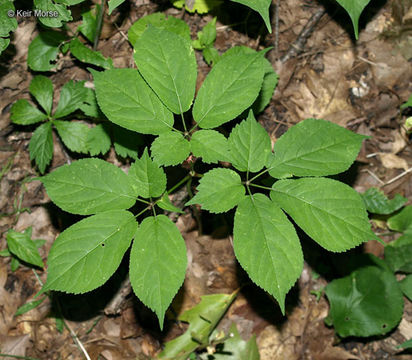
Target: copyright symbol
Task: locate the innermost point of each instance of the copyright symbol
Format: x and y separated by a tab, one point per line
10	13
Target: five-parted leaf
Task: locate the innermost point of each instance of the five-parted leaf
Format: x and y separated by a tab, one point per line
126	100
170	149
158	263
249	145
271	252
85	255
314	148
330	212
148	179
219	190
89	186
232	86
210	145
167	62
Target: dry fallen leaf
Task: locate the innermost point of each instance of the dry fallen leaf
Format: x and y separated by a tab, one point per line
392	161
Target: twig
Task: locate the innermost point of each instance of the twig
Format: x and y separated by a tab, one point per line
374	176
76	339
99	25
398	177
115	305
298	45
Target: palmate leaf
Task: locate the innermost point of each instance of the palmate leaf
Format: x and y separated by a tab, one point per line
266	246
367	302
170	149
314	148
41	146
249	145
167	62
84	256
41	87
219	190
210	145
262	7
330	212
158	263
232	86
72	96
89	186
354	8
148	179
126	100
73	134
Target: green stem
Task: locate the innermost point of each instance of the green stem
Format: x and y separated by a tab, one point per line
195	209
143	201
140	213
260	174
186	178
261	187
184	123
99	25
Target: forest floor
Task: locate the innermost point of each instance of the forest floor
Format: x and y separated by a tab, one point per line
358	85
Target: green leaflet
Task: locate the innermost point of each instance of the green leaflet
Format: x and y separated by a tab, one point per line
405	345
126	143
235	348
232	86
199	6
64	14
219	190
168	63
113	4
22	246
170	149
84	54
402	220
43	50
24	113
367	302
29	306
406	286
398	253
354	8
206	38
41	88
158	263
90	107
165	204
89	23
72	96
172	24
41	146
73	134
147	178
210	145
249	145
271	252
314	148
377	203
7	24
330	212
98	140
202	319
84	256
262	7
89	186
3	44
407	103
126	100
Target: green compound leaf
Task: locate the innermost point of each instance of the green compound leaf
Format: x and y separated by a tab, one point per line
377	203
406	286
29	306
89	186
232	86
314	148
20	245
41	146
74	135
72	96
126	143
158	263
398	253
330	212
202	319
126	100
24	113
7	23
235	348
147	178
41	88
84	256
165	204
159	20
98	140
168	63
249	145
170	149
113	4
354	8
210	145
367	302
43	50
89	23
270	253
219	190
64	14
402	220
84	54
262	7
